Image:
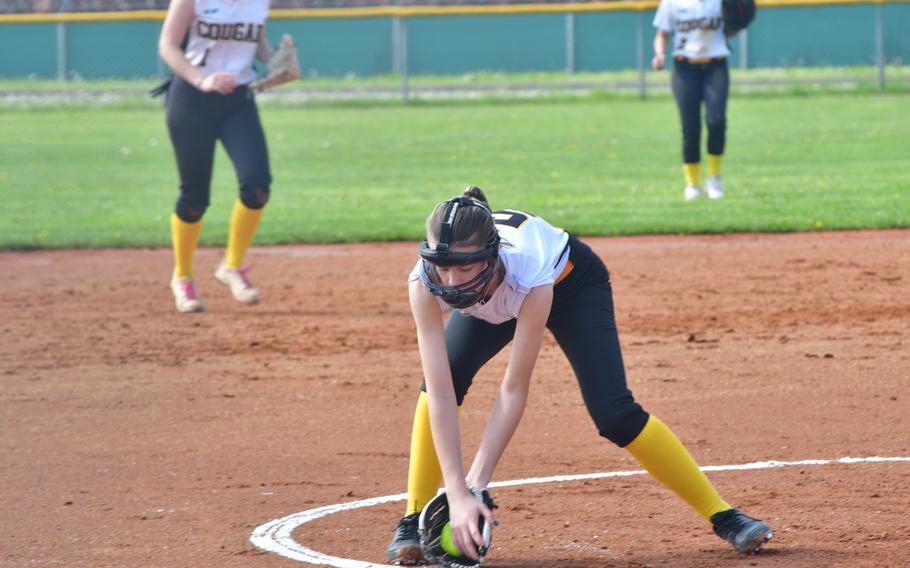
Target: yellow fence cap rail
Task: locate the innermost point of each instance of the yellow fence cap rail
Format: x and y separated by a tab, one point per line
409	11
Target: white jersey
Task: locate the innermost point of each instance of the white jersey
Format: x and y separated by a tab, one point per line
699	27
224	36
533	252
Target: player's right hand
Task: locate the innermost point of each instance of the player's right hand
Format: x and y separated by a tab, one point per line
223	82
464	512
657	63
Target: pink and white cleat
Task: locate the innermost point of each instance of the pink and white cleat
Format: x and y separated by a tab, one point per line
185	295
241	287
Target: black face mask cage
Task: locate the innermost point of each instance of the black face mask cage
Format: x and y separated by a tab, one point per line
461	295
468	293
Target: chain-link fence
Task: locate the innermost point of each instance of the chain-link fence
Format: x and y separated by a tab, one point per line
39	6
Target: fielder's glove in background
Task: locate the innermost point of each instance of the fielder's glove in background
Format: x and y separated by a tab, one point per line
738	14
283	66
436	533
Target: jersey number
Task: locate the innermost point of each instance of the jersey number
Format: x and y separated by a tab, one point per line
510	218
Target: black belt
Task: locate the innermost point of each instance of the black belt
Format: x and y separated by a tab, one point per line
700	60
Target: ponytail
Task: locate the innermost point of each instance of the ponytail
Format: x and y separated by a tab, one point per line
475	192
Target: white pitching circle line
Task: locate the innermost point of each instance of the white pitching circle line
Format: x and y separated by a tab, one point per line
275	536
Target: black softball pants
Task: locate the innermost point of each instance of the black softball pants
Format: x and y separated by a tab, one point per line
694	83
583	323
195	121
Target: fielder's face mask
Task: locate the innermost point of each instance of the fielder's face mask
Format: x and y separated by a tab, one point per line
469	293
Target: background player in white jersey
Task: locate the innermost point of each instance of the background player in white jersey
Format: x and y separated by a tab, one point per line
509	276
210	99
700	74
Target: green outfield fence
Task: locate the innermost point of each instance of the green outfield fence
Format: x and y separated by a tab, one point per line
454	40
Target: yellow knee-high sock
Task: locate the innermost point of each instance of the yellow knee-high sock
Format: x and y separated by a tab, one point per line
714	164
668	461
244	222
424	472
692	173
184	236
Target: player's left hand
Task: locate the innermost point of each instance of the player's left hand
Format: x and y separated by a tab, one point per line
283	66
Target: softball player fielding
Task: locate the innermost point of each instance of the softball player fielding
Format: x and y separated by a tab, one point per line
700	74
210	99
508	276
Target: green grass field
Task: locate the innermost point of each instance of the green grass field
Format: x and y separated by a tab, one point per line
897	78
94	177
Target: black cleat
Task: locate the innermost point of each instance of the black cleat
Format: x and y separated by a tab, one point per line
404	550
747	535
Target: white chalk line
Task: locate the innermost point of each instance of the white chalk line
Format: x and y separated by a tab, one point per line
275	536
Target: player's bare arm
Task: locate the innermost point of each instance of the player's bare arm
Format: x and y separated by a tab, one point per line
176	26
440	392
264	51
661	39
464	507
513	392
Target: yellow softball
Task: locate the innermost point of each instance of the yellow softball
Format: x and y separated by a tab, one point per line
446	541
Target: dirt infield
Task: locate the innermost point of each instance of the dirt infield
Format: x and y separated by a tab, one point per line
134	436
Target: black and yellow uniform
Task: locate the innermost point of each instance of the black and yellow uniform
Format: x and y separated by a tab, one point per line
210	100
700	76
582	320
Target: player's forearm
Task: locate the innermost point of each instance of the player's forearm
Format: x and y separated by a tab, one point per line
263	49
176	60
504	419
440	390
173	32
660	42
442	406
513	393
